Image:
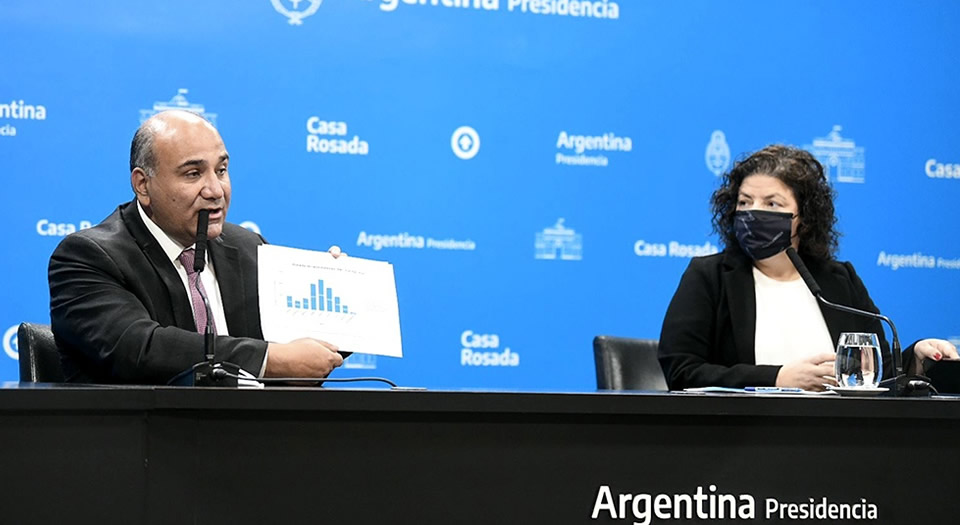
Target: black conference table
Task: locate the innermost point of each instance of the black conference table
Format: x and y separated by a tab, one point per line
298	455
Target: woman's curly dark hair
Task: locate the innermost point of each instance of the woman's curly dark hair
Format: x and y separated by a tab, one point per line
799	170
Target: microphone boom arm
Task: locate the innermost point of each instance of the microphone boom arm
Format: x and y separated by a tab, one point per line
894	344
818	293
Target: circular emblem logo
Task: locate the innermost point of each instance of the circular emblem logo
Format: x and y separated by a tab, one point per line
718	153
10	344
296	15
465	142
250	225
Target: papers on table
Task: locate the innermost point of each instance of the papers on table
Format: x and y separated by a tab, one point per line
248	380
763	390
347	301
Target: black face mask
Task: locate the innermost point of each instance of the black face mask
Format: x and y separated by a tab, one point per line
762	233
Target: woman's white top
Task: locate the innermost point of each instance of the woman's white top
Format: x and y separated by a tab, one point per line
789	323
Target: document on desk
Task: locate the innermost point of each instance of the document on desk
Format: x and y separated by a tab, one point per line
347	301
761	390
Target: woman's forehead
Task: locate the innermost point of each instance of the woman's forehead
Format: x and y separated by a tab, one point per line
761	185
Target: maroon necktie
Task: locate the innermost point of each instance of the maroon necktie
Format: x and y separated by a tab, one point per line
193	277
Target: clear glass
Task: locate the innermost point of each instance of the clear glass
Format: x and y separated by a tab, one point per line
859	363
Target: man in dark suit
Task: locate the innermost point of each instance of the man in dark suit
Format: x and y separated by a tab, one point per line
124	305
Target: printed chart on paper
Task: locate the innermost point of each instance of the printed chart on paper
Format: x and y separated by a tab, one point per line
347	301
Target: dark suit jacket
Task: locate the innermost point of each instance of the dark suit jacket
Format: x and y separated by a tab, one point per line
708	332
120	313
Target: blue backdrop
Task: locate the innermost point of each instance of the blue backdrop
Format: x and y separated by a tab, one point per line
538	171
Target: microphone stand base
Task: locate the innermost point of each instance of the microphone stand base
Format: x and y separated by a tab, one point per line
203	374
907	386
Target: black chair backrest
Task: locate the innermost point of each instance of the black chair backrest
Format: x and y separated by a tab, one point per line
39	356
627	364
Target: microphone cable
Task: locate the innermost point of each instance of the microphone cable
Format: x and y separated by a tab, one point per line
220	373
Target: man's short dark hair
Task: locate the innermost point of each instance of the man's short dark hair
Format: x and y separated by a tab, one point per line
141	149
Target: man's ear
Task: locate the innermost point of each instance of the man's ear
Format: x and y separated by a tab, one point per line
138	180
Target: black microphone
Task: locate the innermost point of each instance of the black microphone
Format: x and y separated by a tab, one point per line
200	260
208	372
804	272
899	376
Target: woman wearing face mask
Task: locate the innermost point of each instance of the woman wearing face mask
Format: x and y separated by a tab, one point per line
744	317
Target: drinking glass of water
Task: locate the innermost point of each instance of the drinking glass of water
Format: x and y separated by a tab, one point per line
859	363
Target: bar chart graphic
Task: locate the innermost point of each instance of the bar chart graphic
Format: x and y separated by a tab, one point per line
318	298
349	302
